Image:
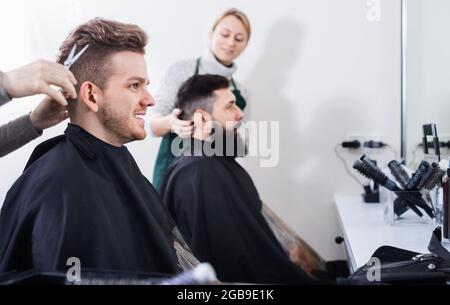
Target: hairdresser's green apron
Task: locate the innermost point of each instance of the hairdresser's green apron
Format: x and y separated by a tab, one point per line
165	156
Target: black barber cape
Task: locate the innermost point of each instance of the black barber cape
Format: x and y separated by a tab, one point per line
81	197
218	210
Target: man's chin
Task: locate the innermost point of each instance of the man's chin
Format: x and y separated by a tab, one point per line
139	136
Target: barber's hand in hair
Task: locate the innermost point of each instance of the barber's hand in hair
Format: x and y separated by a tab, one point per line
48	113
37	78
203	128
303	258
182	128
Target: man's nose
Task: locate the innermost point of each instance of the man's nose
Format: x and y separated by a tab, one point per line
148	99
240	114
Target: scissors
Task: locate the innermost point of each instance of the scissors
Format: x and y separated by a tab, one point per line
72	58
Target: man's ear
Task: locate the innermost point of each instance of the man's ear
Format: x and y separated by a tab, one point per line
200	117
202	123
90	95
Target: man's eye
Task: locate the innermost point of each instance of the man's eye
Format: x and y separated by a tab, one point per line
135	86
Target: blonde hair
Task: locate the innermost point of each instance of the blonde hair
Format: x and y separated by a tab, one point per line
239	15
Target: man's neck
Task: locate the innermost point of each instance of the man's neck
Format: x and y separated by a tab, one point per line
199	134
96	130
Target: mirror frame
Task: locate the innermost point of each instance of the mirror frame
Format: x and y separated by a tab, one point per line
403	35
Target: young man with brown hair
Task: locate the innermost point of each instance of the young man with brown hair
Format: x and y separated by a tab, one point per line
82	194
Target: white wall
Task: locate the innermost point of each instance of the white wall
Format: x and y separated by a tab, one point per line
318	66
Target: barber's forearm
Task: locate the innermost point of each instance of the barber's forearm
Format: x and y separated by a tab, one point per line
4	98
159	125
16	134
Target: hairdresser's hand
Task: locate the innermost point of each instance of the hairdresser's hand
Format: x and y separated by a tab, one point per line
182	128
47	113
37	78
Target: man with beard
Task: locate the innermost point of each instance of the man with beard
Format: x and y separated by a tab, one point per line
82	194
214	201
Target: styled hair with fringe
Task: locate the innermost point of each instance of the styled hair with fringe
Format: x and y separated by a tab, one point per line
105	38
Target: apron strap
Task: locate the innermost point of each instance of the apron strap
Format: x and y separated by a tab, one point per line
234	84
197	66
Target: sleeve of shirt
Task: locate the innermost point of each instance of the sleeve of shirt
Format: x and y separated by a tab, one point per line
171	81
166	94
16	134
247	96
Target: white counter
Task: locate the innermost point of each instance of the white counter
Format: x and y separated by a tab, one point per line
364	230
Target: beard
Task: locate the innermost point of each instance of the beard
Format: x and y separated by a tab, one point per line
117	125
221	142
228	142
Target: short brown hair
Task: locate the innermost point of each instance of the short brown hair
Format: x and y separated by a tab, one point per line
239	15
104	37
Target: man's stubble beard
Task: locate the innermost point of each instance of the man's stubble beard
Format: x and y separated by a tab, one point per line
114	124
